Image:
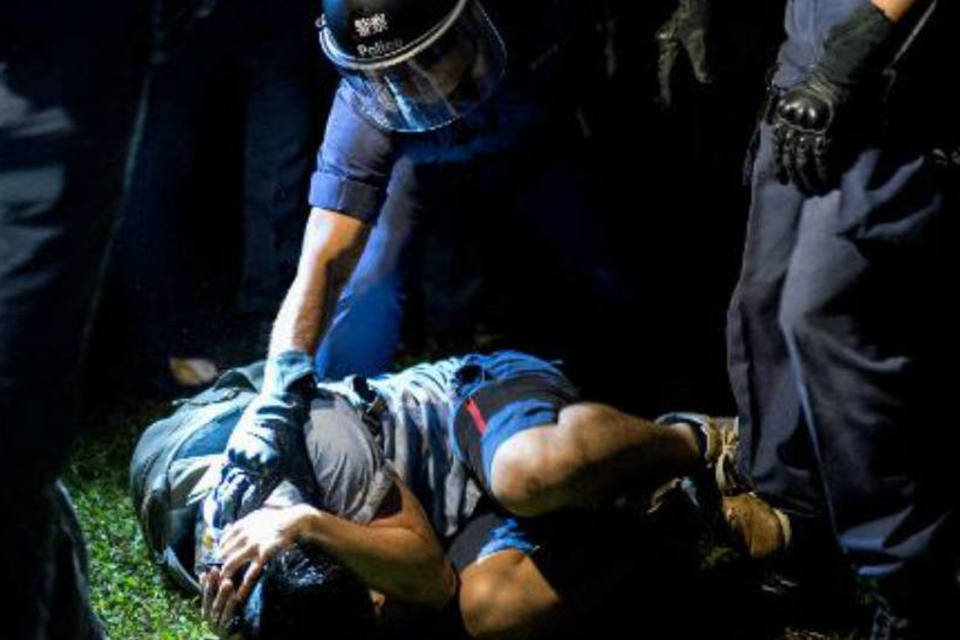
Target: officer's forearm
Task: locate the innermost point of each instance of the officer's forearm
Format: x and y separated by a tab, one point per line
332	245
895	9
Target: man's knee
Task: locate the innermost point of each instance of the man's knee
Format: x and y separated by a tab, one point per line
520	471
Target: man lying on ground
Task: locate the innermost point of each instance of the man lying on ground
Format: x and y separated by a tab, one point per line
487	454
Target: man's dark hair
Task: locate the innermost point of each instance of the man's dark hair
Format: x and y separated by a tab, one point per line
304	592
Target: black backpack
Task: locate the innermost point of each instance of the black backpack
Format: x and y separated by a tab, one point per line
171	459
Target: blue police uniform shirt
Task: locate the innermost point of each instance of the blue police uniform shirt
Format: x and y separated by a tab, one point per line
357	157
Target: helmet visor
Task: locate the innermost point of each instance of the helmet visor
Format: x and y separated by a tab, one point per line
432	82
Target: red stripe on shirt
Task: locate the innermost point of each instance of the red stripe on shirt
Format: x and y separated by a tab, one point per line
478	420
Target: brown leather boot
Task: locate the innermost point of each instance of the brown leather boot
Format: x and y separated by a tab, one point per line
763	530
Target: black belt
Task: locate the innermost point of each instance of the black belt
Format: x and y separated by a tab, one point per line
372	405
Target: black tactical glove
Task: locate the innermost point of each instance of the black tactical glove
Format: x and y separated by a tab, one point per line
267	443
685	30
818	124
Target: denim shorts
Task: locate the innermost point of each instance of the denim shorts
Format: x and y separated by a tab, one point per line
498	396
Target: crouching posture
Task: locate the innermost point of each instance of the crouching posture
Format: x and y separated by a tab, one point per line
445	485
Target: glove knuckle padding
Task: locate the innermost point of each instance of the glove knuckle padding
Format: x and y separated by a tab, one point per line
787	110
812	118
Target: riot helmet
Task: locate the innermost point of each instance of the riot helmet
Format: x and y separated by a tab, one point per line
414	65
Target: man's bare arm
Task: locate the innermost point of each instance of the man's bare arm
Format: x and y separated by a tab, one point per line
332	245
396	554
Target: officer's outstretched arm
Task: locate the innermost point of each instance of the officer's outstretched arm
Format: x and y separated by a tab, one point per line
268	433
332	245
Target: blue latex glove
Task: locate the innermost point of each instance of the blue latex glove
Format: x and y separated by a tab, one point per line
267	444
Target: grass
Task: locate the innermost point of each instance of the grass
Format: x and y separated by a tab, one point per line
128	592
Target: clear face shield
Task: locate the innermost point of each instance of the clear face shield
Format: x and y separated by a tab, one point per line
431	82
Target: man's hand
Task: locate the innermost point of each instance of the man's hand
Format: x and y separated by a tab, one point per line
819	125
218	606
686	30
254	539
267	443
249	542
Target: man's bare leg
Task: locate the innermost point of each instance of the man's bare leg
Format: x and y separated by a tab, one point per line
592	453
508	595
505	596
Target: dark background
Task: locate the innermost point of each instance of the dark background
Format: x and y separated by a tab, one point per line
643	330
636	309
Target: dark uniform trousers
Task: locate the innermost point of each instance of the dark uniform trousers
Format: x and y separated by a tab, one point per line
840	355
68	86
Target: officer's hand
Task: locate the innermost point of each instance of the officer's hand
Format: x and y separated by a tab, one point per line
820	124
267	443
805	136
687	31
243	488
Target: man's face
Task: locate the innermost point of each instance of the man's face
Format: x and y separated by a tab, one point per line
451	65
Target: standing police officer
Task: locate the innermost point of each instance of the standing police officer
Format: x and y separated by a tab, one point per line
836	338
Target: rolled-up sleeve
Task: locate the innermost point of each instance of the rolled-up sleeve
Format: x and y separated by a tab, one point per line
353	164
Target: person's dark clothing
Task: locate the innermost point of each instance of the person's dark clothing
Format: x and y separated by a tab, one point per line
838	343
251	70
69	79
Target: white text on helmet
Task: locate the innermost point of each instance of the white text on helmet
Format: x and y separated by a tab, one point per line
379	48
